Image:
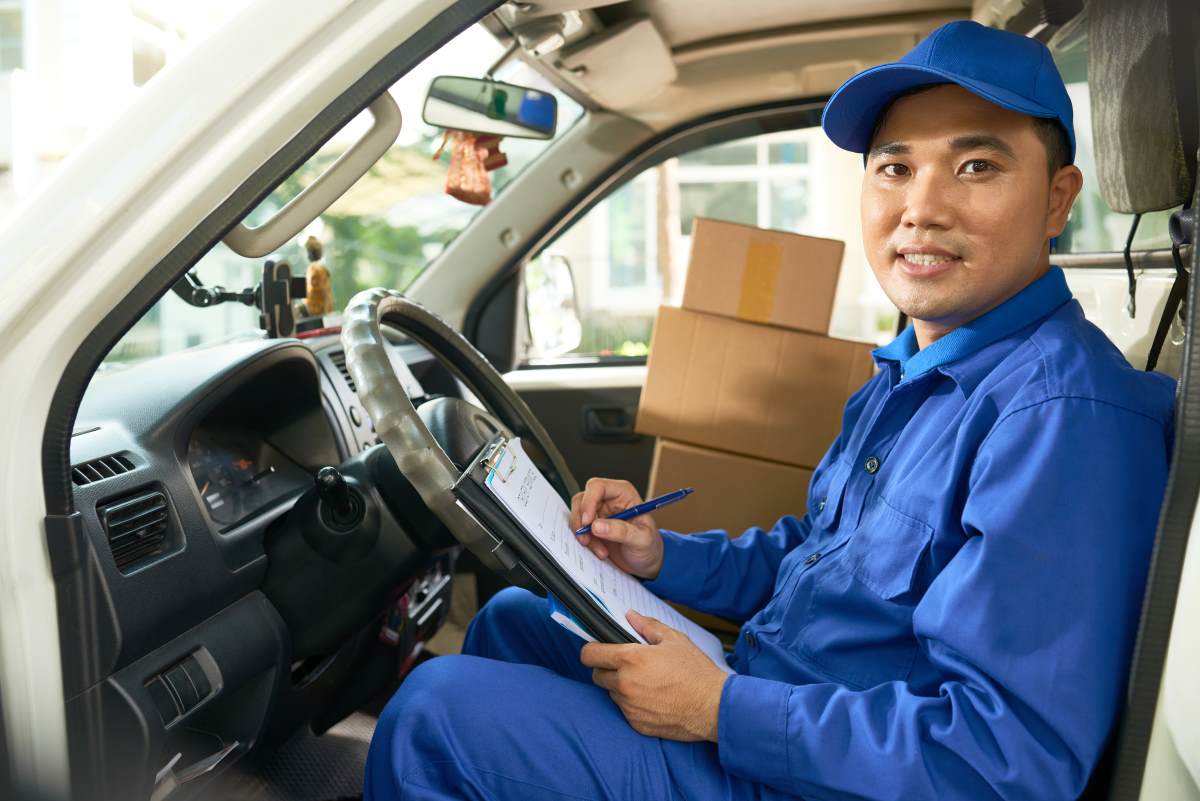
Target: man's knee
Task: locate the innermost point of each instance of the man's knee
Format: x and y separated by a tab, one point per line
431	696
513	611
422	722
513	606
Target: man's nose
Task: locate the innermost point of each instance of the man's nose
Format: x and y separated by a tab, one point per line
929	201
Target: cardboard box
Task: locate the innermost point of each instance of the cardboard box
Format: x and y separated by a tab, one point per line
750	389
762	276
732	492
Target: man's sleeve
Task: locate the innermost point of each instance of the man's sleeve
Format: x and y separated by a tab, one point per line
732	578
1029	628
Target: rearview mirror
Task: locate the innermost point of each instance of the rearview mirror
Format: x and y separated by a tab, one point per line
490	107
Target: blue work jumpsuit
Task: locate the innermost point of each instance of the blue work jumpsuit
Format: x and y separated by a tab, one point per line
951	617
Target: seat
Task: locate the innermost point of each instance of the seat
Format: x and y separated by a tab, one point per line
1142	69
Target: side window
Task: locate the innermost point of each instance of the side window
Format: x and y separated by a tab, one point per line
629	253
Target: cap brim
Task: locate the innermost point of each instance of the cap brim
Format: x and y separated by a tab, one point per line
850	115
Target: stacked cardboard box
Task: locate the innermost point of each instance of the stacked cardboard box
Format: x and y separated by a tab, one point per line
743	387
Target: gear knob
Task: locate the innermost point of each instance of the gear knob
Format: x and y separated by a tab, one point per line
336	495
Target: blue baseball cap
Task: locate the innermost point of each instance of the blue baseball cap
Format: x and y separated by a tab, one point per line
1008	69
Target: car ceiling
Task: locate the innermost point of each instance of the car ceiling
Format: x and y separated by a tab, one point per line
692	21
694	57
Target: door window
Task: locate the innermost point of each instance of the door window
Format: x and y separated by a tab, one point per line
629	253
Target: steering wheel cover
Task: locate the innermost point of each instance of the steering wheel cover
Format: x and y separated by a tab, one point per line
417	453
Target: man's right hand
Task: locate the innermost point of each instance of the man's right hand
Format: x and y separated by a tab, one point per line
634	545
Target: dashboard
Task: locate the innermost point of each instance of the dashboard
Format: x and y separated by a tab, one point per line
216	624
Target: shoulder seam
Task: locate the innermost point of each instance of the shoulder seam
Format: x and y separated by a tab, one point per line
1065	396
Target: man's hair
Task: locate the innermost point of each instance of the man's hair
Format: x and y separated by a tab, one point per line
1050	131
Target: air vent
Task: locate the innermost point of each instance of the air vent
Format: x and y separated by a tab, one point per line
136	527
338	358
100	469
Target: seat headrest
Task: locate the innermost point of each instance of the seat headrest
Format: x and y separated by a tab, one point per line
1142	82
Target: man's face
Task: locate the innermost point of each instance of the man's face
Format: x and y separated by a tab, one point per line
958	207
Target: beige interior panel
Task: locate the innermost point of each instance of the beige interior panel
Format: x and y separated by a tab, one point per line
697	20
623	67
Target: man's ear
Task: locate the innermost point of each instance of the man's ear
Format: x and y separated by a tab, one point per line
1064	187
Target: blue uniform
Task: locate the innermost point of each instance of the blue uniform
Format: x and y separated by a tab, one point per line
952	617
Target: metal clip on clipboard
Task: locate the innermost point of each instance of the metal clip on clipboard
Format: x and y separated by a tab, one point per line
484	463
491	459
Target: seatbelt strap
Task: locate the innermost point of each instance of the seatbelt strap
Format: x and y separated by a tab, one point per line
1131	306
1178	293
1183	223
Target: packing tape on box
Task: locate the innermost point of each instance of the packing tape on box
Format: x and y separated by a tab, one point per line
760	272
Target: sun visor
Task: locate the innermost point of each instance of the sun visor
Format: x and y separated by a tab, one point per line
623	66
543	7
1141	79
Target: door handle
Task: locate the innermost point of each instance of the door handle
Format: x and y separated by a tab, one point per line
609	424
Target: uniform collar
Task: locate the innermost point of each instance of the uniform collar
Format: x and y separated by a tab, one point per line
947	354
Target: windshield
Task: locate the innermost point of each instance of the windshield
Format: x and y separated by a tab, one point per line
388	228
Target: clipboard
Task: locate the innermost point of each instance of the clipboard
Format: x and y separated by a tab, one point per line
470	491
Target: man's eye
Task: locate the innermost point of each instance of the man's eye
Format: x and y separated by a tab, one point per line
977	166
894	170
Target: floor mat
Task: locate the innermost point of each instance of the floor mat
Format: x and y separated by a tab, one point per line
310	768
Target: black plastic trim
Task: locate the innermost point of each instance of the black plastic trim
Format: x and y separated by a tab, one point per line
56	478
1166	568
740	122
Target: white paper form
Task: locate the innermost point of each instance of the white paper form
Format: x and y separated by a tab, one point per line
517	483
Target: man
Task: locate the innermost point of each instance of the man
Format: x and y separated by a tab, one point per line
952	616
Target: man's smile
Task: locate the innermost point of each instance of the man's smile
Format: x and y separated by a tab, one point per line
925	261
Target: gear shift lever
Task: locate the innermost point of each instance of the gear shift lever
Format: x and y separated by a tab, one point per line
341	507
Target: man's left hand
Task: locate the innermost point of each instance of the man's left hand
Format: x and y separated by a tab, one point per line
667	689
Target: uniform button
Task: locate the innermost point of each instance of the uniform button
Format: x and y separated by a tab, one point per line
354	418
812	558
821	505
871	465
751	640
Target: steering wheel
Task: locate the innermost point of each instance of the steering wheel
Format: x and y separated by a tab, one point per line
432	445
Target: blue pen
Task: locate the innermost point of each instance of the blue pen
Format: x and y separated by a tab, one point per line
643	508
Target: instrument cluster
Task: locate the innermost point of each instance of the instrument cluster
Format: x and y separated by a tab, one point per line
239	473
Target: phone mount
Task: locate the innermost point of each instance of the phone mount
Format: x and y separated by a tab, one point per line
273	296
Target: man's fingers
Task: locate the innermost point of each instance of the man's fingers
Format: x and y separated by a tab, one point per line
655	631
593	495
594	545
616	531
603	655
607	679
576	499
599	494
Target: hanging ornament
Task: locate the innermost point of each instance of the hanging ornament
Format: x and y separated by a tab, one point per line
472	156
